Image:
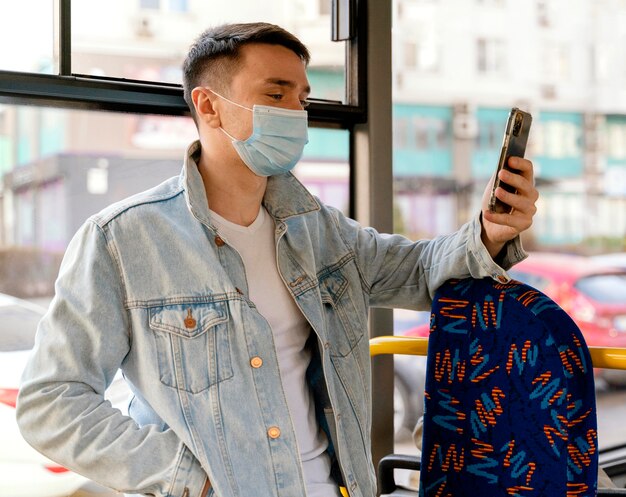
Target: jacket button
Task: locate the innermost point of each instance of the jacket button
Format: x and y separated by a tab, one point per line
219	242
190	322
273	432
256	362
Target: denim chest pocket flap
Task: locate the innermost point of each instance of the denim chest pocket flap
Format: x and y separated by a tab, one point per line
188	320
192	343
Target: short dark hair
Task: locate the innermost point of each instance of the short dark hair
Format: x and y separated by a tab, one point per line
214	56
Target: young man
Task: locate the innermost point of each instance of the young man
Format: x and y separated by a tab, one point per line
236	304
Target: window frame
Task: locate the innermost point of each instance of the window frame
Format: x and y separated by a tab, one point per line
76	91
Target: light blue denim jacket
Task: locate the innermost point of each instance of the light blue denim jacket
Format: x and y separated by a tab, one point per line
148	286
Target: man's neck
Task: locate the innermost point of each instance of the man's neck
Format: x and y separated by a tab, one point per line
233	190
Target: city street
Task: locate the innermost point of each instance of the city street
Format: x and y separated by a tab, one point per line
611	414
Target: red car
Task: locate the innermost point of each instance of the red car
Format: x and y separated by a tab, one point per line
593	295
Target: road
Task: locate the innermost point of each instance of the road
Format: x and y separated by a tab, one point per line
611	414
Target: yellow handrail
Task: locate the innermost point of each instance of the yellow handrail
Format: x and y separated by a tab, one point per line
602	357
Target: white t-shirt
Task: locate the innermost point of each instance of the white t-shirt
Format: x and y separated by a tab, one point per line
256	245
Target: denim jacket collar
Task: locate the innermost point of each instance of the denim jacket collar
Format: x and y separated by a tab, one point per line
284	196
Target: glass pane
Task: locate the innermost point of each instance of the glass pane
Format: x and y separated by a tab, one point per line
27	40
325	167
458	68
58	167
148	40
55	174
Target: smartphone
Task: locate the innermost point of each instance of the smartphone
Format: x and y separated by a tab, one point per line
513	145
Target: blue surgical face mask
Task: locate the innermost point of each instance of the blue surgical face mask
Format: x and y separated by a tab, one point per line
277	140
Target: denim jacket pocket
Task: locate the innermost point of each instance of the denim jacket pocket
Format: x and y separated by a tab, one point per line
341	314
192	343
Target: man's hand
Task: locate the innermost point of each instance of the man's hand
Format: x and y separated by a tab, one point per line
498	229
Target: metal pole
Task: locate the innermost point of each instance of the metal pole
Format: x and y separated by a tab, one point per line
65	38
374	196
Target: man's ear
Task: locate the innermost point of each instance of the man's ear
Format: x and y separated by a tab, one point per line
203	102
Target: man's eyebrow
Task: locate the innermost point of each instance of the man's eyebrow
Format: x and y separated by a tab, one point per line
287	83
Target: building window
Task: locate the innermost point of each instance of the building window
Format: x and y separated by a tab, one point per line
422	133
4	128
491	56
556	61
427	57
169	5
400	132
324	7
179	5
150	4
410	55
560	139
616	141
422	55
543	14
602	62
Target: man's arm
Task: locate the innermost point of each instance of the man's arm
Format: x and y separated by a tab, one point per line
397	272
61	410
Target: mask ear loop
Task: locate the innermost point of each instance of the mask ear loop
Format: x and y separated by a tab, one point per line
228	134
228	100
234	103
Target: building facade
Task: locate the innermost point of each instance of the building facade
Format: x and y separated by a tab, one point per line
458	67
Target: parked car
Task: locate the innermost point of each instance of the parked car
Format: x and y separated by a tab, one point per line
617	259
593	294
24	472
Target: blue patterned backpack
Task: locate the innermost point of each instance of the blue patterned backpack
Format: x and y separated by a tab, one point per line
510	400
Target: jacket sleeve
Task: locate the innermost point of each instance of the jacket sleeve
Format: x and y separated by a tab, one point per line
61	410
397	272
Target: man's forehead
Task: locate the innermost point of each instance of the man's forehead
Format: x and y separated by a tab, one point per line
263	66
268	60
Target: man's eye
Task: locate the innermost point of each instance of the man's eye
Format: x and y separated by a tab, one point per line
276	96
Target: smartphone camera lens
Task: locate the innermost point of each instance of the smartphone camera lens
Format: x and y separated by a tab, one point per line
517	125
